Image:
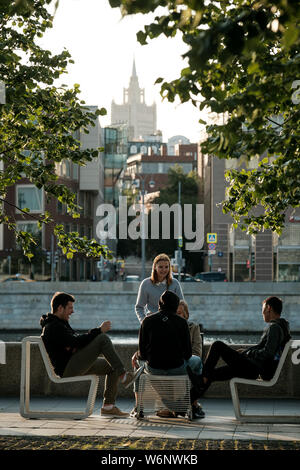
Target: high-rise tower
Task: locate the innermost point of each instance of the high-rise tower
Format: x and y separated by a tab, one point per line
140	117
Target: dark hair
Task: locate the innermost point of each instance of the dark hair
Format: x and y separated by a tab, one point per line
275	303
168	301
60	298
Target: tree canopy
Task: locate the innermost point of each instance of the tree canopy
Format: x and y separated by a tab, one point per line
39	121
243	64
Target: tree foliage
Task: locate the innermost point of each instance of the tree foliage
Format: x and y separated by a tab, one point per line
243	64
190	193
38	122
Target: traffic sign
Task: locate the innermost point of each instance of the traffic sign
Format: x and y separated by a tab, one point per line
211	238
211	252
211	246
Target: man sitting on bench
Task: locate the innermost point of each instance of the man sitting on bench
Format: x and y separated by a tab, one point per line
165	345
261	359
73	354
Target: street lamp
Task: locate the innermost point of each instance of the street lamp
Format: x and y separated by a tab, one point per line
179	235
143	235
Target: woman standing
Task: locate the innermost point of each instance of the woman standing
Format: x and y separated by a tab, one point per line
154	286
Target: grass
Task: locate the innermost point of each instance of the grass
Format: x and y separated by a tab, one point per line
13	443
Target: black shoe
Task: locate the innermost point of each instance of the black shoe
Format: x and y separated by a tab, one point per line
135	414
197	412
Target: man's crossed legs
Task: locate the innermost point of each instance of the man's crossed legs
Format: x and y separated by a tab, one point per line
86	361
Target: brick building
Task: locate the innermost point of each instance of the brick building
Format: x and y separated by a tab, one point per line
264	257
87	183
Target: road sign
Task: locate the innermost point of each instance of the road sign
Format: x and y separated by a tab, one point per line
211	246
211	252
211	238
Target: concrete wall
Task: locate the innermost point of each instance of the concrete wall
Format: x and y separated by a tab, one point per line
287	387
218	306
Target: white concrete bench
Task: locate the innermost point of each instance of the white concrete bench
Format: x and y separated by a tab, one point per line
25	410
260	418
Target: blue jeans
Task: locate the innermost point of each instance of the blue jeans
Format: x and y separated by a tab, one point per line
176	371
195	363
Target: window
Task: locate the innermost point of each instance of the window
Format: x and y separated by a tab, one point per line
32	228
81	202
160	168
1	236
75	171
89	205
81	231
30	197
61	208
65	169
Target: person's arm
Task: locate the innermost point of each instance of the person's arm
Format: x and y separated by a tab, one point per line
186	339
142	350
141	301
66	337
178	289
271	344
196	340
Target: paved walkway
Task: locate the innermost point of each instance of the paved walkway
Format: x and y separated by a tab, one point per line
219	422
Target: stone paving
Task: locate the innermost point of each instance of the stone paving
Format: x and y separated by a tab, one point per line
219	423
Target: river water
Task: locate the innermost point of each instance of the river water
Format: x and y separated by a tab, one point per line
132	337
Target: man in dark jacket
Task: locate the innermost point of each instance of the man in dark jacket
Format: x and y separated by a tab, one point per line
165	343
261	359
74	354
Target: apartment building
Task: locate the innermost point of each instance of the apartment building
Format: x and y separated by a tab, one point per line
88	184
264	257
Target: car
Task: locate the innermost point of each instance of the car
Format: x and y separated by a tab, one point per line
17	278
132	278
184	277
211	276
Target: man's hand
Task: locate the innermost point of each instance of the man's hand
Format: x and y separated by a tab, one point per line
134	360
105	326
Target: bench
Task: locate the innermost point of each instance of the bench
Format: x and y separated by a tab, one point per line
25	410
252	418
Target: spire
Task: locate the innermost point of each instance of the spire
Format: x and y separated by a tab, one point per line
133	69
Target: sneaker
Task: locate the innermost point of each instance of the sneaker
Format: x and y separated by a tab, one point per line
197	412
115	412
134	413
132	377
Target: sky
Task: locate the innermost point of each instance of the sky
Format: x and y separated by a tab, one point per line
104	45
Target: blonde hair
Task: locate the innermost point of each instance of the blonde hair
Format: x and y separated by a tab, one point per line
157	259
185	307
